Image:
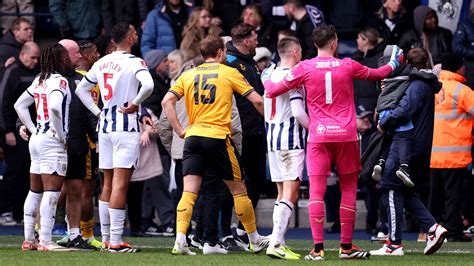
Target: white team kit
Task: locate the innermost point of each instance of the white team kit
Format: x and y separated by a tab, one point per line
118	132
47	143
286	138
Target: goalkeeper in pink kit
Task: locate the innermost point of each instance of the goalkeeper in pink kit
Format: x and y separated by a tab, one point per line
332	131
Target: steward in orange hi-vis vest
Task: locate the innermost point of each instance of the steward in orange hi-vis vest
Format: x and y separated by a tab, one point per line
452	138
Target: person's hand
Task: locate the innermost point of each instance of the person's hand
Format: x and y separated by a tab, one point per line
23	133
130	109
380	129
182	133
10	139
145	139
147	121
216	21
9	61
396	58
267	72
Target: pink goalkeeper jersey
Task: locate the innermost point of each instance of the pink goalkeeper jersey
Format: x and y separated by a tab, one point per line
330	94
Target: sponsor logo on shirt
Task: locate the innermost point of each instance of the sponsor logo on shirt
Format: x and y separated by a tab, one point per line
62	84
320	129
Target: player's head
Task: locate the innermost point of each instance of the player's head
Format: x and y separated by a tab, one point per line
73	49
213	47
54	59
105	45
289	48
418	58
22	30
244	38
88	51
30	54
325	38
124	34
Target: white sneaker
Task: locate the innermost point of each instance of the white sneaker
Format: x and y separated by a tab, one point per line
182	249
380	237
216	249
388	250
435	239
6	219
51	247
260	245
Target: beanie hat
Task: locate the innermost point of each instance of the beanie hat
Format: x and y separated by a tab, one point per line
154	57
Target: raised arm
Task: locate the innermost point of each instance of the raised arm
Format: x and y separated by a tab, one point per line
293	79
366	73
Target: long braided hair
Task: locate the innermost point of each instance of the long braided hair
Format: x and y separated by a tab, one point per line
54	59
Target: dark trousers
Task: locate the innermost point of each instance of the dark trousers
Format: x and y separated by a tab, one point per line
15	183
253	158
376	211
332	199
446	195
134	204
405	144
396	200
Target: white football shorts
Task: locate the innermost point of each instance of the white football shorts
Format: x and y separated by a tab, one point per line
118	149
48	155
286	165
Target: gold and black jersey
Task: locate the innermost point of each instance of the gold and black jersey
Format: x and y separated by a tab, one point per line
207	91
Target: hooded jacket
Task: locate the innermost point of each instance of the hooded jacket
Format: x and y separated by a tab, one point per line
9	47
401	21
439	40
252	121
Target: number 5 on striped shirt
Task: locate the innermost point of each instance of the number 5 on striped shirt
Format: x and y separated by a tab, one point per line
328	86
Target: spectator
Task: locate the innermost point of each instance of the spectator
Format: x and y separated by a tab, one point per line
274	9
391	21
221	9
463	45
14	81
10	44
77	19
155	191
370	48
263	57
116	11
196	29
306	19
451	151
427	34
263	27
105	45
164	26
11	6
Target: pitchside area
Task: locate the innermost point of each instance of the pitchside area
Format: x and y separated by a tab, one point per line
156	251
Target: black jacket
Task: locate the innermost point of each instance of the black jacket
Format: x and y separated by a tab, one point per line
304	32
82	122
15	79
463	45
402	24
9	47
365	91
252	121
439	40
161	88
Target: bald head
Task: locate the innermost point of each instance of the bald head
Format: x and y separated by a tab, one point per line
73	50
29	55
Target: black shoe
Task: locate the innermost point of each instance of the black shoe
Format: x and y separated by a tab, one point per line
462	238
229	243
404	174
139	233
167	230
195	241
378	170
242	241
80	244
153	230
335	228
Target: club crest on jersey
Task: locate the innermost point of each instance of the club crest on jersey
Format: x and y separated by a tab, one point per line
242	67
62	84
143	64
320	129
290	76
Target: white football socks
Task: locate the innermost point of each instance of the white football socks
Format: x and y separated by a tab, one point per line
30	212
48	212
276	224
104	220
117	220
73	233
285	209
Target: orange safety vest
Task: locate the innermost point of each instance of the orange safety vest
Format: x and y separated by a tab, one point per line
454	110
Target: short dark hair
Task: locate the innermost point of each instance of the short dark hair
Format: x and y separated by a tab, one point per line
451	62
286	43
418	58
119	31
84	45
16	23
240	32
323	35
102	42
210	45
287	32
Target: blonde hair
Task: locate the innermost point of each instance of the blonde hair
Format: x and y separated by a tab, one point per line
256	13
177	56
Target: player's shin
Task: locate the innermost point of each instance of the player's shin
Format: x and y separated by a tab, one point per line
245	213
30	210
48	212
184	212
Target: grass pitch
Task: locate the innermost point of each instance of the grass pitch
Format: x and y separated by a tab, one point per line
156	251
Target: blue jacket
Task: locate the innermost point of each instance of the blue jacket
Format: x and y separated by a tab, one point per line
417	105
158	32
